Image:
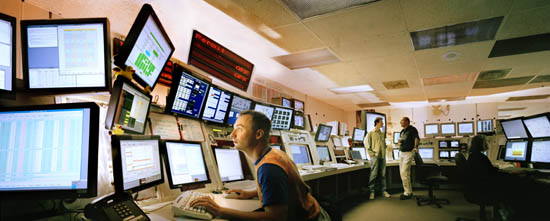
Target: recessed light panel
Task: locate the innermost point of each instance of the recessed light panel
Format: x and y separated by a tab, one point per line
521	45
310	8
502	82
493	74
307	59
352	89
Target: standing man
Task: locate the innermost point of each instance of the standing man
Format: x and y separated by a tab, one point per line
376	146
408	146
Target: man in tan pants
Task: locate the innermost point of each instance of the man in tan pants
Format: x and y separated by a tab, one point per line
408	145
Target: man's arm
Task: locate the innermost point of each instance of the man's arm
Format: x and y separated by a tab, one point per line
416	141
368	143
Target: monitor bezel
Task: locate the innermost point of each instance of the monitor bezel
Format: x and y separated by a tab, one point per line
486	132
291	118
307	150
93	148
201	117
298	113
328	151
164	150
353	136
531	150
318	132
448	142
176	78
396	141
465	122
13	22
114	101
524	127
218	167
366	152
447	134
57	90
226	122
433	151
527	150
131	38
265	105
432	135
283	99
448	152
299	101
547	115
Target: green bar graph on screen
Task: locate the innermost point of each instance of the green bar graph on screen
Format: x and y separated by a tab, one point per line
162	49
144	64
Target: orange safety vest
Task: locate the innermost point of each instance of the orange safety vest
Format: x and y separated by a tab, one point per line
300	201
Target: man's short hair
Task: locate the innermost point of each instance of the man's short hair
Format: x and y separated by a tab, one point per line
378	119
478	143
407	118
259	121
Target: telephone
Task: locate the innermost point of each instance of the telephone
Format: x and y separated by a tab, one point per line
117	206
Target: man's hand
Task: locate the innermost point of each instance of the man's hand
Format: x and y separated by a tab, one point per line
242	194
209	204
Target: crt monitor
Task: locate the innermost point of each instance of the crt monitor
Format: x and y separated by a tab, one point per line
323	153
238	105
358	134
516	151
540	151
7	50
426	153
128	107
66	55
465	128
454	144
448	129
431	130
298	105
396	136
395	154
514	128
281	118
323	133
300	154
185	164
356	155
452	153
265	109
285	102
146	48
485	126
444	154
216	105
229	164
538	125
55	153
298	120
443	144
369	121
187	94
362	151
136	162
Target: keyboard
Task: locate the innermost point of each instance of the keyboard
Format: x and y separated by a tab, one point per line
181	207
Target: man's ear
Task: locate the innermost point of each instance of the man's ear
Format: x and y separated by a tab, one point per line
259	134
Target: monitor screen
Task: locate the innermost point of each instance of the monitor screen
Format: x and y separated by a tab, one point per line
300	154
431	130
452	153
396	136
49	151
465	128
485	126
426	153
323	153
229	164
146	48
358	134
396	154
516	151
298	105
187	95
281	118
278	147
265	109
443	144
538	126
7	50
298	120
337	141
540	151
216	105
323	133
370	117
514	129
286	102
238	105
356	155
66	55
185	164
443	154
362	151
448	129
128	107
455	144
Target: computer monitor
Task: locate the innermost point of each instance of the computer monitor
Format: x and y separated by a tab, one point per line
452	153
7	50
362	151
485	126
538	125
431	130
516	151
128	107
369	121
443	144
465	128
300	154
323	153
49	151
136	162
444	154
396	136
358	134
185	164
540	151
395	154
146	48
217	102
66	55
298	121
265	109
356	155
454	144
323	133
281	118
501	152
229	164
337	141
514	128
187	94
276	146
238	105
426	153
285	102
448	129
298	105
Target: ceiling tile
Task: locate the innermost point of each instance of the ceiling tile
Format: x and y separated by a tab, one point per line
402	95
294	38
254	14
525	23
377	46
537	60
388	68
461	11
448	90
467	52
531	4
424	14
502	82
488	91
441	68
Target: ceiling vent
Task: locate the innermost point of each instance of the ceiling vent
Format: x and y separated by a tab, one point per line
380	104
309	8
493	74
307	59
449	79
541	79
526	98
445	99
521	45
502	82
512	109
392	85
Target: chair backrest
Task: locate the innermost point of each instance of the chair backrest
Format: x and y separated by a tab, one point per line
420	170
463	170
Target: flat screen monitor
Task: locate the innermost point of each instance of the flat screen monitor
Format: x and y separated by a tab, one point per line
538	126
396	136
265	109
286	102
185	164
49	151
216	105
238	105
540	151
7	52
337	141
300	154
276	146
454	144
187	94
356	155
443	144
448	129
485	126
396	154
465	128
443	154
323	153
431	130
298	105
516	151
452	153
362	151
323	133
358	134
281	118
128	107
514	128
426	153
369	121
298	121
66	55
146	48
229	164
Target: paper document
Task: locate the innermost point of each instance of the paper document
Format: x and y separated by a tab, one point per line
166	126
190	129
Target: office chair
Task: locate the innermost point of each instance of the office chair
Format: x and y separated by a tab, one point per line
470	193
430	175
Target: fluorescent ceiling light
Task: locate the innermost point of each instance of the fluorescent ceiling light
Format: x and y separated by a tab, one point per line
352	89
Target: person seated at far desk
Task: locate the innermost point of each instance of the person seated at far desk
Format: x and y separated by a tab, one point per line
283	193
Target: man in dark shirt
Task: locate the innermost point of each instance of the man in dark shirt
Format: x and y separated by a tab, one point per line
408	146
